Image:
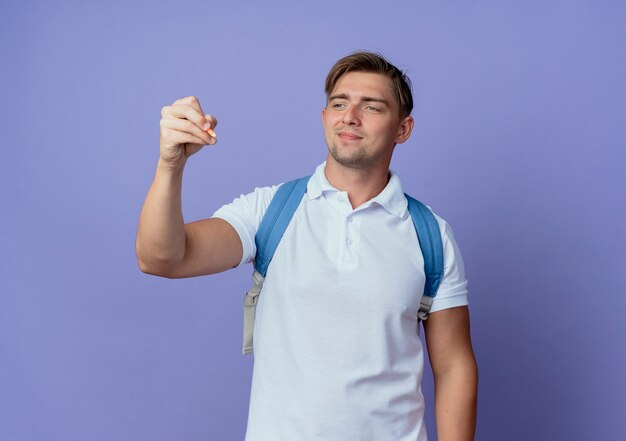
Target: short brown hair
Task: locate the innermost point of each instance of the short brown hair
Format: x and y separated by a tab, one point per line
364	61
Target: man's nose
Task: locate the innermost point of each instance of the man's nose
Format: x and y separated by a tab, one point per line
350	115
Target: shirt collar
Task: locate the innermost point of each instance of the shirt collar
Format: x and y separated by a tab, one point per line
392	197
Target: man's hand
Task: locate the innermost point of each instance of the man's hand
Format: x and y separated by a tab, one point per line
185	129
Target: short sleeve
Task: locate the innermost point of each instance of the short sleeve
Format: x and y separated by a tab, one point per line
244	214
452	291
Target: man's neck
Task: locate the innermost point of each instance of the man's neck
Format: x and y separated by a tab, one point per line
360	184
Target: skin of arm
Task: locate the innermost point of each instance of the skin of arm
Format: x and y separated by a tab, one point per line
165	245
455	373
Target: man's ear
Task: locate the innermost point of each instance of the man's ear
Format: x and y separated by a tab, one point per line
405	129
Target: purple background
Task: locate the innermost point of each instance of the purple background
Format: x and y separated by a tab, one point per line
519	143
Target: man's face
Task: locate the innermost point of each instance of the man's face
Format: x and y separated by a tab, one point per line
361	121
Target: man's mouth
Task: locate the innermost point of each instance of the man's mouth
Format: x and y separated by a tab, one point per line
350	136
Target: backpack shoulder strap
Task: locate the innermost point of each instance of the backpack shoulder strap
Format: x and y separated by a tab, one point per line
273	225
275	221
429	237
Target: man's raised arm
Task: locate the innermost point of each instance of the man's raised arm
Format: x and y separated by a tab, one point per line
165	245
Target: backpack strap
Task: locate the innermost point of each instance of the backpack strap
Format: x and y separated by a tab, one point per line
268	236
275	221
431	245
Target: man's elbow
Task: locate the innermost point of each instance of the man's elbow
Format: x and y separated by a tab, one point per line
157	267
461	363
146	268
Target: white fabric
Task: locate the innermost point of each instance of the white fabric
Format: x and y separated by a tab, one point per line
336	347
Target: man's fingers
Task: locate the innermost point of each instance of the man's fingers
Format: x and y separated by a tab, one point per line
179	138
189	108
211	122
208	127
185	111
186	126
192	101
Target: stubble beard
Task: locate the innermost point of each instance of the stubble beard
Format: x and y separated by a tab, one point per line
358	160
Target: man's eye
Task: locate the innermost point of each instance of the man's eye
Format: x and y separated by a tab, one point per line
373	109
338	105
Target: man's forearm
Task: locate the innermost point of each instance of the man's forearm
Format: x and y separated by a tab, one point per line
161	232
455	403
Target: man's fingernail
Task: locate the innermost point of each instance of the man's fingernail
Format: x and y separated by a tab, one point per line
206	126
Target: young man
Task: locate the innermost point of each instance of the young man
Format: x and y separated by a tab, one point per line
337	351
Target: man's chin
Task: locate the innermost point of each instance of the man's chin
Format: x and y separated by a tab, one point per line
357	160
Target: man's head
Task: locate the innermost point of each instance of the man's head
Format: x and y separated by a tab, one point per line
368	106
374	63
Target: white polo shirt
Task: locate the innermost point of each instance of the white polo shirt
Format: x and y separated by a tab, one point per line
336	345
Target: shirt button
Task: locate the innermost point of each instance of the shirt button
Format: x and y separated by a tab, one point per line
349	241
349	219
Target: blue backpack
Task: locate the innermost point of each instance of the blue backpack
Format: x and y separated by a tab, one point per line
277	218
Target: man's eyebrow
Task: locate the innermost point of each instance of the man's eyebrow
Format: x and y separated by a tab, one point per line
375	100
340	96
369	99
